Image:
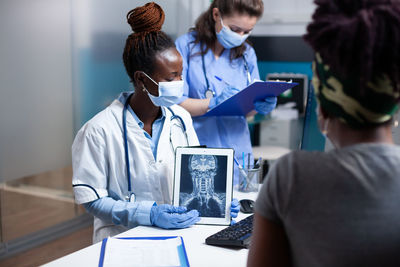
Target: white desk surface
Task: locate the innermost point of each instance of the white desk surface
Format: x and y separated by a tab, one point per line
199	254
269	152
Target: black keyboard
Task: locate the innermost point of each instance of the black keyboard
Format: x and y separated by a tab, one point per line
237	235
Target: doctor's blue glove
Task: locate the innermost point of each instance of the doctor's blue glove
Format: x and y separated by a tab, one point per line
265	106
235	208
226	93
172	217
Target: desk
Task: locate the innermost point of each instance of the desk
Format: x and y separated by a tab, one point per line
269	153
198	252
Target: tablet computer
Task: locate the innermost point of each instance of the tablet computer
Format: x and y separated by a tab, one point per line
204	181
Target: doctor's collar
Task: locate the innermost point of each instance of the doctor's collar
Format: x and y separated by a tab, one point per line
161	116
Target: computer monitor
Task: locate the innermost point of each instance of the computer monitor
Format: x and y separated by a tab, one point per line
297	94
309	133
312	139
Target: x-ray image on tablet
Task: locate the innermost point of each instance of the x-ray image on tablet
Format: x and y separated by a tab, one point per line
203	181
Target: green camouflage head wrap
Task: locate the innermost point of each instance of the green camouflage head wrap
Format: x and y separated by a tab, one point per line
342	99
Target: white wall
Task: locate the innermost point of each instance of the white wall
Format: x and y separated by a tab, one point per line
35	87
285	17
280	18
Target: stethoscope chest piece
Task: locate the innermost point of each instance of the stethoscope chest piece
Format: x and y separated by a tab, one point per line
209	93
131	197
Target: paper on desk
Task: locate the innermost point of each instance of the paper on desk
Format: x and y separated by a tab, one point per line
142	252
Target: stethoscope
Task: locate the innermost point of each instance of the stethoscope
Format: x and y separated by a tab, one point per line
209	92
131	196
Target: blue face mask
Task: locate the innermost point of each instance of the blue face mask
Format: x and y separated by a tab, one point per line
169	93
229	38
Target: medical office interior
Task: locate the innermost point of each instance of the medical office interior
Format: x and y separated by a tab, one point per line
61	63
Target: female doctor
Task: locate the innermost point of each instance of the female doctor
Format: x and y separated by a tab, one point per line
218	63
123	158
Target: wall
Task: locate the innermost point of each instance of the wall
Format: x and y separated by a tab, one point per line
284	18
35	87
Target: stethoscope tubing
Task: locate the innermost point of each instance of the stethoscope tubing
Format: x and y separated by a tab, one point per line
128	173
246	66
125	135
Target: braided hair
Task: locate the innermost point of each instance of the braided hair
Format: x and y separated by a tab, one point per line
358	38
146	40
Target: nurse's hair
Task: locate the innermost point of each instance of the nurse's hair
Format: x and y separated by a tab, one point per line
358	38
146	40
205	24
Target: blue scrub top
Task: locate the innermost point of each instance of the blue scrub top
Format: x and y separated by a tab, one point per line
219	132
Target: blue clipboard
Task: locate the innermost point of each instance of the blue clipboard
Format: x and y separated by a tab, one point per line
242	103
184	261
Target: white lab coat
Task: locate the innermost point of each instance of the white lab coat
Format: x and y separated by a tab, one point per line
99	167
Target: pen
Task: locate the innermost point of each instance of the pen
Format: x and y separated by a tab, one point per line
237	163
241	169
220	79
243	184
257	162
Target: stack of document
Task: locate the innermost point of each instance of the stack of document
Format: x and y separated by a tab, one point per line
143	251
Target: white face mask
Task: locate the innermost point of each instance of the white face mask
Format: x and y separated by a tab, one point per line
228	38
169	93
322	123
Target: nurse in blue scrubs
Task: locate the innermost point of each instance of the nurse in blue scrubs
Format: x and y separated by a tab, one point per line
218	63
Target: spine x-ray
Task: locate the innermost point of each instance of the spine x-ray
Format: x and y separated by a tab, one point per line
203	184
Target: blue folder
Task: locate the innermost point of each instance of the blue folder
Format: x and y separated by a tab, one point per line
181	249
242	103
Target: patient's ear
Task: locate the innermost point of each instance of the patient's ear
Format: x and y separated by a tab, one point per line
138	79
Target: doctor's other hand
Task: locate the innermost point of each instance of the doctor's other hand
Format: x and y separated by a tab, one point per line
172	217
235	208
265	106
226	93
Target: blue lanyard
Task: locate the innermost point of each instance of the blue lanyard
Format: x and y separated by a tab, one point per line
126	139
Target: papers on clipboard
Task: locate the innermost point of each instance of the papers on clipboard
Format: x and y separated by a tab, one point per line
143	251
242	103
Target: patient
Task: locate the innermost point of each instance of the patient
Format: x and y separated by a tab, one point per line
341	208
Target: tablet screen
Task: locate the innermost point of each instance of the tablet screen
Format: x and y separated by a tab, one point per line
203	181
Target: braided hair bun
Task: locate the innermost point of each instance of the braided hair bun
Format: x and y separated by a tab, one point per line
146	40
147	18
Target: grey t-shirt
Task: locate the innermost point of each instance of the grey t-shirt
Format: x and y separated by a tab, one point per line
340	208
